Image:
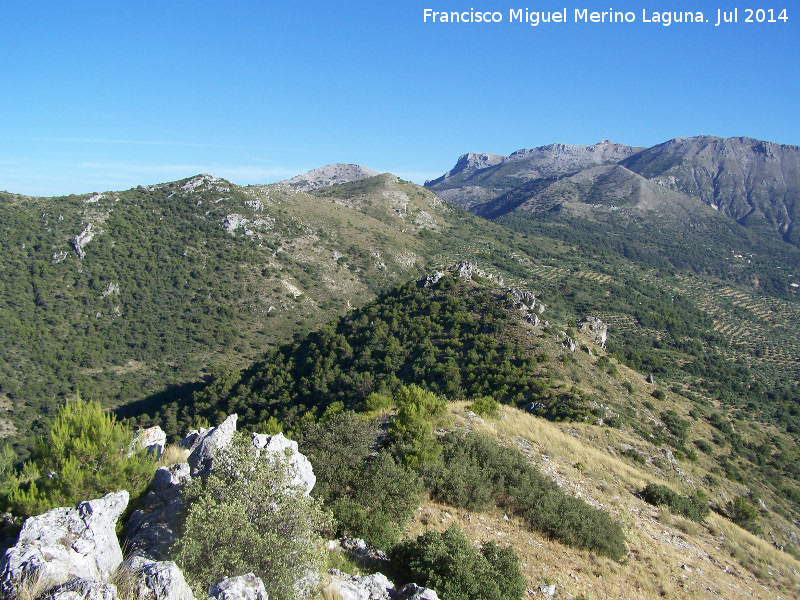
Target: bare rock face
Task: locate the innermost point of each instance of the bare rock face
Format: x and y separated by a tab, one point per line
84	589
153	528
596	329
66	543
160	580
153	439
83	238
203	443
356	587
330	175
302	471
244	587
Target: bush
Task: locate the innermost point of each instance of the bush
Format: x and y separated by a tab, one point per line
371	496
485	406
447	563
418	412
85	456
692	507
476	471
247	517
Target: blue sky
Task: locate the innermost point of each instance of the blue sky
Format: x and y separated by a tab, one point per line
109	95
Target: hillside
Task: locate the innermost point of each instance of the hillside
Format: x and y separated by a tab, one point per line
138	295
606	432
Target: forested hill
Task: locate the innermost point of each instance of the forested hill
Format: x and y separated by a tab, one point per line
472	340
141	293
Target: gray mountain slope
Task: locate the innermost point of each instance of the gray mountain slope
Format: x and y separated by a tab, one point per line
329	175
757	183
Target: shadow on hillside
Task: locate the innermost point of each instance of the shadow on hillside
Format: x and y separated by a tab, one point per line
150	405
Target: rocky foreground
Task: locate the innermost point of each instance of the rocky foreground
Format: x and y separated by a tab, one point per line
75	553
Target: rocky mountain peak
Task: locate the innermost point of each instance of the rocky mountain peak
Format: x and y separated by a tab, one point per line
328	175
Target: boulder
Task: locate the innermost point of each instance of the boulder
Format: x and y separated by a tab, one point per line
83	589
302	471
153	439
412	591
159	580
356	587
244	587
62	543
595	329
206	442
151	529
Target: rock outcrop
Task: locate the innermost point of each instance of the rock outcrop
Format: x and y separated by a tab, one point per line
356	587
244	587
67	543
152	529
330	175
276	445
83	238
595	329
159	580
153	439
203	442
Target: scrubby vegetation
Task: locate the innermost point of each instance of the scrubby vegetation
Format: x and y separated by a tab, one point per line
475	472
247	517
449	564
87	454
692	507
372	496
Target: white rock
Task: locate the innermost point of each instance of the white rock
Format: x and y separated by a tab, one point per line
302	471
160	580
202	456
67	542
244	587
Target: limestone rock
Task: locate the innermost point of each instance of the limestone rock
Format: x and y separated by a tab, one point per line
432	279
595	329
206	443
356	587
67	542
302	471
83	238
159	580
330	175
152	529
412	591
244	587
152	438
83	589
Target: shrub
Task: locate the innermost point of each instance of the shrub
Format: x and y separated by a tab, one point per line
86	455
485	406
419	411
692	507
476	471
247	517
447	563
371	496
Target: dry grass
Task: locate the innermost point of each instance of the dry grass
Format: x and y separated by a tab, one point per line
172	454
34	586
669	557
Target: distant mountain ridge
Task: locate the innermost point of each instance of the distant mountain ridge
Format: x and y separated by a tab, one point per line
756	183
328	175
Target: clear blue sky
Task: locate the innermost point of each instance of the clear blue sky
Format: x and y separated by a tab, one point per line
108	95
